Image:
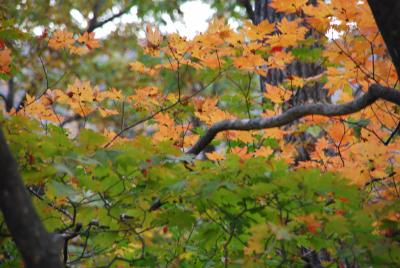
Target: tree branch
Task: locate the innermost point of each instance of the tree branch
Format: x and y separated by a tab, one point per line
375	92
94	24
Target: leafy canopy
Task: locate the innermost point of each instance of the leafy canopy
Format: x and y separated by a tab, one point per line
110	155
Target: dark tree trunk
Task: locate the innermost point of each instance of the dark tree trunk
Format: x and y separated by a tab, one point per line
10	95
263	11
387	17
39	248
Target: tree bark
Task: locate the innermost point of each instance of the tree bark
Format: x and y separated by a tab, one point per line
39	248
386	14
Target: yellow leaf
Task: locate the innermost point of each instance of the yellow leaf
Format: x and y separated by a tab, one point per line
255	244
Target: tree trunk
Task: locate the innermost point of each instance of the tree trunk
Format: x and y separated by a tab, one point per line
386	14
39	248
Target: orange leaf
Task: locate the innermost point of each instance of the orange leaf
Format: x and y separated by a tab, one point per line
153	37
277	94
5	60
215	156
61	39
89	40
288	6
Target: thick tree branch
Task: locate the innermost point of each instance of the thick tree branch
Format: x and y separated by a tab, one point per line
38	248
375	92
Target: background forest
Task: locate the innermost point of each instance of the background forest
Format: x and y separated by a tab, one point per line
268	139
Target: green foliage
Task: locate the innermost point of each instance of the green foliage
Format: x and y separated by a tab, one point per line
148	205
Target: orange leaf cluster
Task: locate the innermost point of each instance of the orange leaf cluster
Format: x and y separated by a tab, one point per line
80	46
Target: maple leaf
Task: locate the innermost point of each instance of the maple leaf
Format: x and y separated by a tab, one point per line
339	133
280	59
61	39
319	16
89	40
168	130
78	50
243	136
208	111
291	33
106	112
355	172
146	98
311	223
215	156
81	91
140	67
80	96
259	31
219	27
288	153
40	109
337	79
296	81
256	243
210	60
277	94
264	151
346	10
177	45
241	152
288	6
112	93
5	60
249	61
276	133
153	39
321	10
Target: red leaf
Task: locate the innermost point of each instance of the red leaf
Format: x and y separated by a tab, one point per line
276	49
165	229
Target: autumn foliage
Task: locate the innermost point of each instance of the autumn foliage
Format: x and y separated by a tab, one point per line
112	154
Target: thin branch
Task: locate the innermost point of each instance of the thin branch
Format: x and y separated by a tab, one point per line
161	110
375	92
393	134
45	73
50	204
